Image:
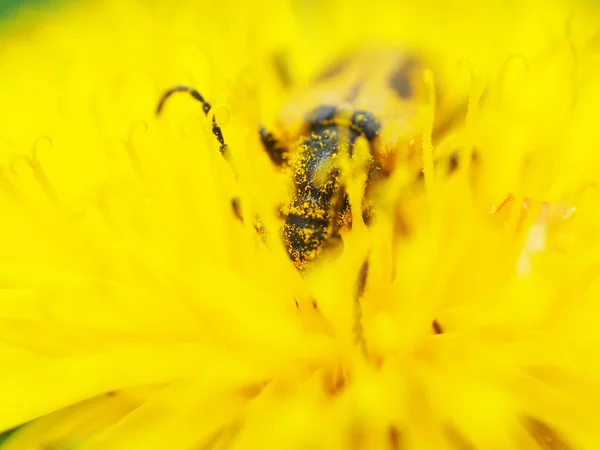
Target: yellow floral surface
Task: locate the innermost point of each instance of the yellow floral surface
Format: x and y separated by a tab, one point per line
137	312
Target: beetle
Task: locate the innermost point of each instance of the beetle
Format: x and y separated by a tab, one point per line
370	94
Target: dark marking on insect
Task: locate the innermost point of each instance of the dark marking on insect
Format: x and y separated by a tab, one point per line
276	153
401	81
300	222
320	117
437	328
366	124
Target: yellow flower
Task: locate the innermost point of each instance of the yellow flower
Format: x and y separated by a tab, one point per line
136	311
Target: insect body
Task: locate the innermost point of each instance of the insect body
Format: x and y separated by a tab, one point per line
371	95
320	207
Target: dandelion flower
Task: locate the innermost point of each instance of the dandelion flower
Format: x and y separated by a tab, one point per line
137	311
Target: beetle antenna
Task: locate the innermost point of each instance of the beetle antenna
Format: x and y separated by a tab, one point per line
216	129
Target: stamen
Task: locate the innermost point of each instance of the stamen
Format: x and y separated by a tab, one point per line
479	85
137	129
358	327
505	70
38	171
428	119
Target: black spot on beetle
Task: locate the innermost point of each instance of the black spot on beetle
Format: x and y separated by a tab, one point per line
321	116
400	80
366	123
